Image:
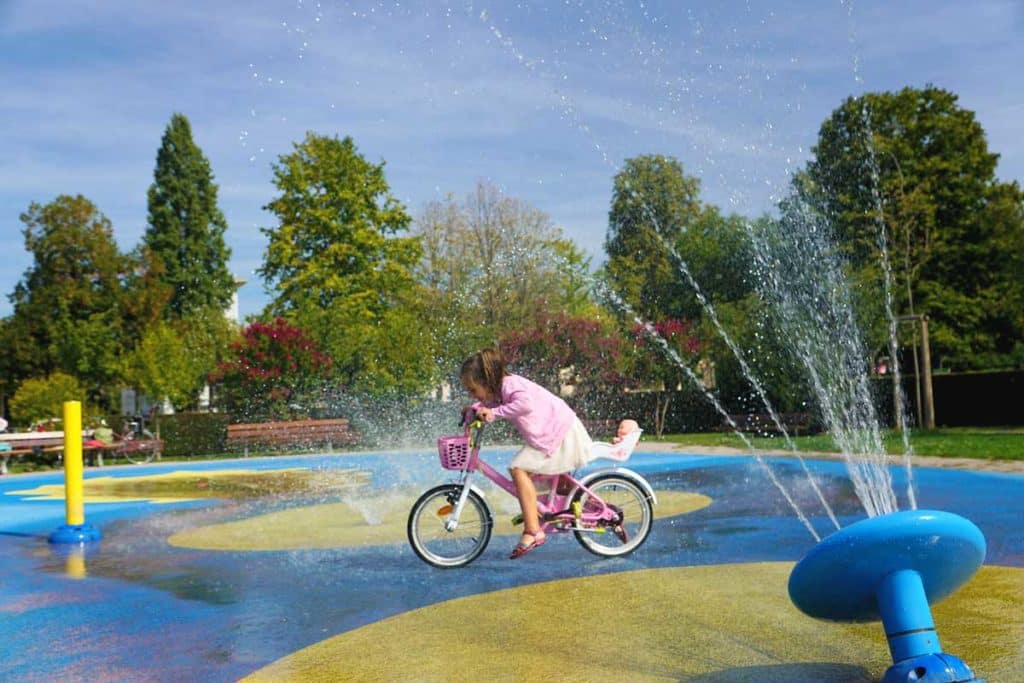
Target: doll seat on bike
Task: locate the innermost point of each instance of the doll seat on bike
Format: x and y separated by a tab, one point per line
617	451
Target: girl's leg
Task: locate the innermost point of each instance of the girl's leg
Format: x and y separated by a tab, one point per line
527	495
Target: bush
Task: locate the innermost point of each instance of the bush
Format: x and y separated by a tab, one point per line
191	434
43	398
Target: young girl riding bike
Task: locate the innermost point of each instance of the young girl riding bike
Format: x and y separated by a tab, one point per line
556	440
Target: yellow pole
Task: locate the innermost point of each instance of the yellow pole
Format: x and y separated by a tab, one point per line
73	500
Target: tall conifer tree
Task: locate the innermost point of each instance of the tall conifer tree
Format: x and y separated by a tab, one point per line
186	228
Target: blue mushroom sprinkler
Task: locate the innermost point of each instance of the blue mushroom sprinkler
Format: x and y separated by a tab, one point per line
892	568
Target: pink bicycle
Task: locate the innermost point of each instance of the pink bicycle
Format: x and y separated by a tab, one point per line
609	511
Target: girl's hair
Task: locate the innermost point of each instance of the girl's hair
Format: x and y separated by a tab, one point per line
484	369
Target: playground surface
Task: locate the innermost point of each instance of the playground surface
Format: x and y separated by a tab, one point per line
297	568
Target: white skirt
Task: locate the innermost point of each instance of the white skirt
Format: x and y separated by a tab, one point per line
573	453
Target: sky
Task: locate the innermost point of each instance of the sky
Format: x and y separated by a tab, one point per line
546	100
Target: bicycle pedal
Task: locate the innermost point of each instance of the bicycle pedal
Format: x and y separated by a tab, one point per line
517	520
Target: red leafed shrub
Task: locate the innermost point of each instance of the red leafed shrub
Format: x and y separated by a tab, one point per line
562	351
276	372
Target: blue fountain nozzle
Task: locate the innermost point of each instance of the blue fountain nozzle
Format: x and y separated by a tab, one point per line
891	568
939	667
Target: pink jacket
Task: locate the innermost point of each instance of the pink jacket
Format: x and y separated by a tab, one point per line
542	418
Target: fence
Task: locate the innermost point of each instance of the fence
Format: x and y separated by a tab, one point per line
962	399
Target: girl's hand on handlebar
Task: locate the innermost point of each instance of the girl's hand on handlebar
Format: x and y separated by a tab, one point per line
485	413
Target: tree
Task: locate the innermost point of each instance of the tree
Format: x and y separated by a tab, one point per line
275	371
173	358
495	264
186	228
916	165
69	308
660	353
41	398
717	252
653	204
339	266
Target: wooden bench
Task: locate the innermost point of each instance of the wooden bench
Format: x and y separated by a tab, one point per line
303	434
762	423
30	443
91	454
145	449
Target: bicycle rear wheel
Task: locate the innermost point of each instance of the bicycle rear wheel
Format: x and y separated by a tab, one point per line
437	546
636	513
138	449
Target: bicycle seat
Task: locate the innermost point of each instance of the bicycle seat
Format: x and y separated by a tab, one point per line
617	451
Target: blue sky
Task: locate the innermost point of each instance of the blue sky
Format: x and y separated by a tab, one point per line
544	99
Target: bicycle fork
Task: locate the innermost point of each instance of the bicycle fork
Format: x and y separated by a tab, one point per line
452	523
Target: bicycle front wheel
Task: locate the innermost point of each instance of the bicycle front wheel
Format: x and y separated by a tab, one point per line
437	546
635	515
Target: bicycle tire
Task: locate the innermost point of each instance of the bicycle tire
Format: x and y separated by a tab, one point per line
637	511
439	547
139	455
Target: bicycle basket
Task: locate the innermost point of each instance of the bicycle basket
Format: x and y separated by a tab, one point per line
454	451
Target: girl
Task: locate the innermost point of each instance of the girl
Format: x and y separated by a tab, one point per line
556	440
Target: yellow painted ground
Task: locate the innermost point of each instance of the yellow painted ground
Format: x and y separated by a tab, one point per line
713	624
184	485
364	519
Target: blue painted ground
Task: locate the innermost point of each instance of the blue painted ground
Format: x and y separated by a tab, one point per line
150	611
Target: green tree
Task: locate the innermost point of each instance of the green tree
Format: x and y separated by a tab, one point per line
717	252
173	358
41	398
70	307
340	266
186	228
917	165
653	204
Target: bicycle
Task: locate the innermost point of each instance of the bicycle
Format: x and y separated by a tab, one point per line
610	511
135	443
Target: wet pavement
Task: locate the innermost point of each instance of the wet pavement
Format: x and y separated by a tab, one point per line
141	606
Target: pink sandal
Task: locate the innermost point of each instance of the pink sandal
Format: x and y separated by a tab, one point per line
521	548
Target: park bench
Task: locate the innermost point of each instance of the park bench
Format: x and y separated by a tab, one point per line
52	444
762	423
136	450
30	443
304	434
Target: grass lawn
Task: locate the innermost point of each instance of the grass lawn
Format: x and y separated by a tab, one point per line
996	443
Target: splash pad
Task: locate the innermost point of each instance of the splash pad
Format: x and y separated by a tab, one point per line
277	571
